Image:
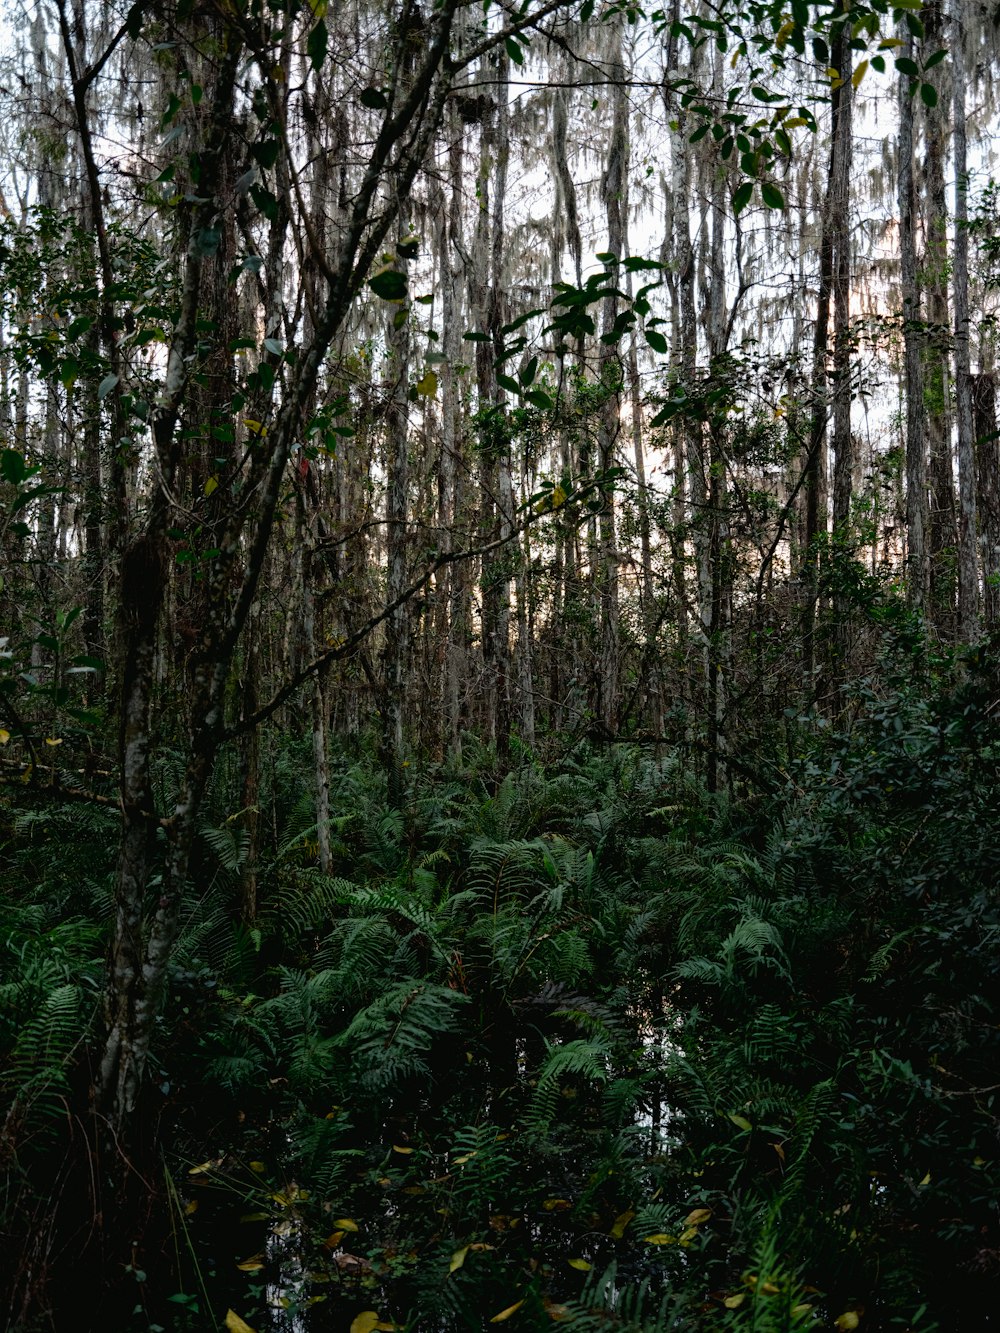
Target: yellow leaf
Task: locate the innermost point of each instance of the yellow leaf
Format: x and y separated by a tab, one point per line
53	740
458	1259
190	1207
580	1265
888	43
734	1302
254	427
927	1179
784	32
333	1240
688	1233
859	74
466	1157
698	1216
660	1238
404	1151
259	1167
847	1320
558	496
620	1223
506	1314
427	386
251	1265
345	1224
799	1310
556	1205
4	736
365	1322
205	1166
769	1288
740	1121
235	1324
211	485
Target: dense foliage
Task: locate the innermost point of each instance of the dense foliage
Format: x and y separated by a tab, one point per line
499	609
583	1040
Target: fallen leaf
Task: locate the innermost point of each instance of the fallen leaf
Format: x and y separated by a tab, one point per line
506	1314
404	1151
205	1166
345	1224
734	1302
698	1216
235	1324
458	1259
620	1223
848	1320
660	1238
556	1205
252	1265
365	1322
580	1265
333	1240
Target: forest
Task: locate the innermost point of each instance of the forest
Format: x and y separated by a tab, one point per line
499	678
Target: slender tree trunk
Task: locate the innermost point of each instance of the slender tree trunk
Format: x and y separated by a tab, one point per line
916	463
614	185
397	481
942	533
987	446
968	572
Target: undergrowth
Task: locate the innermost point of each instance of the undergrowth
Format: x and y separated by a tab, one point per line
586	1046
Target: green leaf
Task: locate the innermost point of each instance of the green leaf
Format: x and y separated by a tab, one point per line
655	340
273	346
265	153
105	387
928	94
537	398
505	382
742	197
13	467
771	195
514	51
390	285
374	99
527	373
317	44
904	65
586	11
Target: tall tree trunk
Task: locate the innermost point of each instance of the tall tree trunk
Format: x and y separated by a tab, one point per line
968	571
987	446
943	533
916	462
397	480
614	186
